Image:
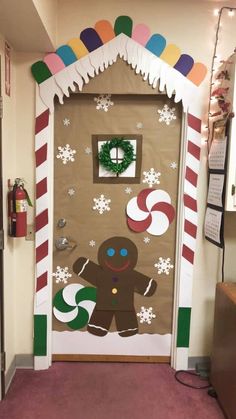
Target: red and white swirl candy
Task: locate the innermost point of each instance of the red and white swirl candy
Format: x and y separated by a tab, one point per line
150	211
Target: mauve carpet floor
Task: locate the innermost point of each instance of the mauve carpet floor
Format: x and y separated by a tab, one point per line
105	391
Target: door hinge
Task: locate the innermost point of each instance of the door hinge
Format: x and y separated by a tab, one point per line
233	190
3	361
1	239
1	107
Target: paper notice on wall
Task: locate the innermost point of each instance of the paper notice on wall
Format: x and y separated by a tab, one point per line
215	189
217	154
7	69
213	225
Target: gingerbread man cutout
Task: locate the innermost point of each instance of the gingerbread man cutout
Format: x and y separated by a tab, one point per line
116	281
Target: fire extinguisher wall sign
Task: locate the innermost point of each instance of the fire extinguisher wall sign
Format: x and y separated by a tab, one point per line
18	201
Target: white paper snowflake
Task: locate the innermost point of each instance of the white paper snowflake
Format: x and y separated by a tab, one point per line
62	275
128	190
66	154
71	191
163	266
166	114
101	204
92	243
87	150
146	240
173	165
139	125
146	315
151	177
66	122
103	102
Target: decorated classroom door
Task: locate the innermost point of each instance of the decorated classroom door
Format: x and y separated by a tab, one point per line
115	200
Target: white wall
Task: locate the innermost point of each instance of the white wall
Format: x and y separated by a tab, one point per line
18	161
47	10
25	163
230	246
189	24
9	172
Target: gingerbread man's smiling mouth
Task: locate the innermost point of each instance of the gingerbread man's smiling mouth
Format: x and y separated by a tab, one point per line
122	268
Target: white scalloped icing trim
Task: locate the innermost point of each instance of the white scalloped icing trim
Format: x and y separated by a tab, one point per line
152	69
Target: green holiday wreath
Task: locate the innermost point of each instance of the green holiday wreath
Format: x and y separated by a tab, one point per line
105	156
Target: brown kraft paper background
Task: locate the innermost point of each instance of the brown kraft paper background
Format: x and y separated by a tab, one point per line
160	147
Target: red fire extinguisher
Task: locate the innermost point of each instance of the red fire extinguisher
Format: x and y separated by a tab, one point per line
18	201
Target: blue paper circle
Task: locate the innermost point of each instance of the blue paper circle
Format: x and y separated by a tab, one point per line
110	251
123	252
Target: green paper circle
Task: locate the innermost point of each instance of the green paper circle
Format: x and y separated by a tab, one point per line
60	304
105	157
80	320
86	293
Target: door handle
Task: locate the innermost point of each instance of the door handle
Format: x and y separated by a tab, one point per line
62	243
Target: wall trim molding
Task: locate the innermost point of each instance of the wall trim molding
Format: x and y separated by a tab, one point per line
10	374
193	360
20	361
25	361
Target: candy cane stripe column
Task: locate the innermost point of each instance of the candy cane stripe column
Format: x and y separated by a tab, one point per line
41	121
194	123
41	241
189	239
41	188
190	228
41	222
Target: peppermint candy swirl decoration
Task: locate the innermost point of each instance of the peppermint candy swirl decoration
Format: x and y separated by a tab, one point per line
74	305
150	211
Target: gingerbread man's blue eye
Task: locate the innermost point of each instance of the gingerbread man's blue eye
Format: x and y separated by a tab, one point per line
110	251
123	252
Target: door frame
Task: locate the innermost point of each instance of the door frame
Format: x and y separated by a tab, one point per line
187	218
2	339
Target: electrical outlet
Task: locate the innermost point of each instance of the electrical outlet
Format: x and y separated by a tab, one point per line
30	232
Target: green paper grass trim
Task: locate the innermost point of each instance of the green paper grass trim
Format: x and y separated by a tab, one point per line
105	157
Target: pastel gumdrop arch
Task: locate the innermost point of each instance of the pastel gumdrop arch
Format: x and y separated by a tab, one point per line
97	48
